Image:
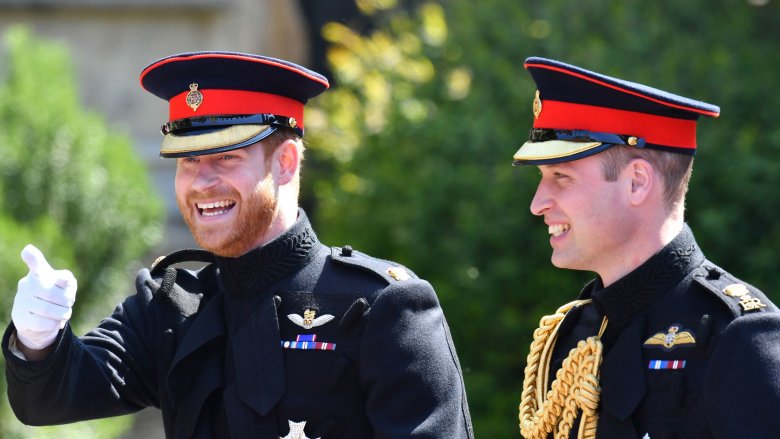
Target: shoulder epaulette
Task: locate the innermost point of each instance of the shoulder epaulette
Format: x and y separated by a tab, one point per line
741	298
391	272
186	255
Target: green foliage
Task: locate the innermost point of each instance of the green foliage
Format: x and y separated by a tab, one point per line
412	152
71	187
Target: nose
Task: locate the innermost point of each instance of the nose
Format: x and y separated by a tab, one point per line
205	178
541	201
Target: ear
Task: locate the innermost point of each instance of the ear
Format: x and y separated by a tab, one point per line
642	177
286	161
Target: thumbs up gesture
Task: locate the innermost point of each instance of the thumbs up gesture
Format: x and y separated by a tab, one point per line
43	302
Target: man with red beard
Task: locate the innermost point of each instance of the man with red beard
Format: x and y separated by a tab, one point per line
663	343
277	335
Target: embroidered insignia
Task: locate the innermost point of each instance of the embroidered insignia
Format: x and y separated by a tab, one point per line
194	97
308	342
751	304
666	364
735	290
398	273
673	338
537	107
296	431
308	320
746	301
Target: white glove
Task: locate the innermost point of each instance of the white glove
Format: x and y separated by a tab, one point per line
43	301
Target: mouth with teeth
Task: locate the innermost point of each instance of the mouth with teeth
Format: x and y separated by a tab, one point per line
216	208
558	229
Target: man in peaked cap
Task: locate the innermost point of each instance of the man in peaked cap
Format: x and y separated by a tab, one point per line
662	343
277	336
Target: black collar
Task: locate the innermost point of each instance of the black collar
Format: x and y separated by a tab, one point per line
638	289
266	265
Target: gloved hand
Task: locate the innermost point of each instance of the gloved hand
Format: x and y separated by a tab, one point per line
43	302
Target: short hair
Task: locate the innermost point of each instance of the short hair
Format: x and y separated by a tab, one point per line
277	138
675	169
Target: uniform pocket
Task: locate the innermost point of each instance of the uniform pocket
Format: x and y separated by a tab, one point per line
665	395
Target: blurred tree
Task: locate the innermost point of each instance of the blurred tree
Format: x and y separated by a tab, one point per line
74	189
411	153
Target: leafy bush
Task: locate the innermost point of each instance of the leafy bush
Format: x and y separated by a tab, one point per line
412	152
73	188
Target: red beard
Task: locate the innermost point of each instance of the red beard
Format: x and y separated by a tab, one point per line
252	222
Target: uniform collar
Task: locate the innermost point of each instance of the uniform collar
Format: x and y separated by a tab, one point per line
264	266
638	289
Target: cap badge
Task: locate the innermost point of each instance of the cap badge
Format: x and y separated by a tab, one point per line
308	320
746	301
398	273
194	97
673	338
537	105
296	431
292	122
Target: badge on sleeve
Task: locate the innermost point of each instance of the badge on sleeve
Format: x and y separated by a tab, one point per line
673	338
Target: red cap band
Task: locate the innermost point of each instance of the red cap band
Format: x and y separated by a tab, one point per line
219	102
657	130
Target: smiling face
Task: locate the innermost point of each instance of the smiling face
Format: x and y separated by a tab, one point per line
228	200
588	218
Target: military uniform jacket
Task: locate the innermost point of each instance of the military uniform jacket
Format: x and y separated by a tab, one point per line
291	338
690	351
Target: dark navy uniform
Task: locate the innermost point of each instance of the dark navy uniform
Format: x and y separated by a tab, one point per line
293	335
292	339
689	350
677	348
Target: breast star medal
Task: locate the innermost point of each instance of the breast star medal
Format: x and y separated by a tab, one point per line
296	431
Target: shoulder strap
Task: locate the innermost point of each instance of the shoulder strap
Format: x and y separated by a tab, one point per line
391	272
739	297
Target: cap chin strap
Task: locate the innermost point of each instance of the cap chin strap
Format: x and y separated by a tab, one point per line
576	386
544	135
196	125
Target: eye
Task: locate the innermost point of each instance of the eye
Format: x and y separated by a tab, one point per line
190	159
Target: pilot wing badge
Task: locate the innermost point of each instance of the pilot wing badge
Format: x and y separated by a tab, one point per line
309	319
673	338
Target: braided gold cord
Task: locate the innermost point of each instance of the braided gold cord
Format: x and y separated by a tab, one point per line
576	384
